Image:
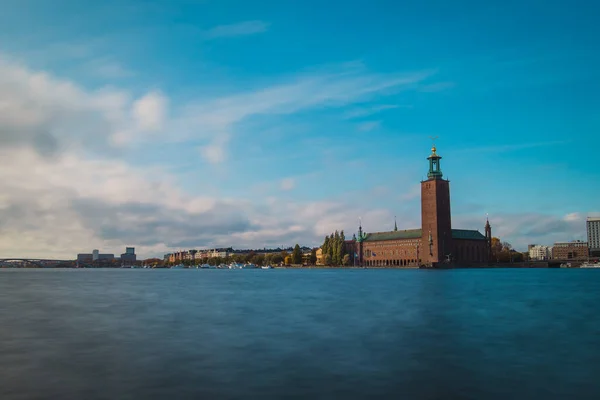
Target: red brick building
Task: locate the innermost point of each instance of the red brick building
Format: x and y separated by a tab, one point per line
576	250
435	243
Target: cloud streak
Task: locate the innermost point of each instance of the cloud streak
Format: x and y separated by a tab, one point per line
239	29
367	111
368	126
510	147
323	89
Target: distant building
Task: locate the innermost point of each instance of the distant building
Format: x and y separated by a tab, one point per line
129	256
593	235
320	256
575	250
85	257
94	256
538	252
216	253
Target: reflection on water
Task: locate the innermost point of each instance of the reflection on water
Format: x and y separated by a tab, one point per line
214	334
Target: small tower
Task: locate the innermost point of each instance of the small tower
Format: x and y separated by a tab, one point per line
488	238
361	237
435	171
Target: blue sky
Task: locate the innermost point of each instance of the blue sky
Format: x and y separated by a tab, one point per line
269	122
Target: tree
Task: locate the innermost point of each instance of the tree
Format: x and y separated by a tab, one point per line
326	259
277	258
496	247
346	260
297	255
288	260
326	244
313	257
334	246
258	259
331	248
336	257
249	256
193	253
268	259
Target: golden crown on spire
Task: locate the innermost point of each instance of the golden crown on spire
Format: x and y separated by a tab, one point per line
433	148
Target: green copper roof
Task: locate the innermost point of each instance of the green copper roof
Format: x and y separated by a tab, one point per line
393	235
467	234
416	234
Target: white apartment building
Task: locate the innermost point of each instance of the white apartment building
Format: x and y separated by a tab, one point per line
593	234
539	252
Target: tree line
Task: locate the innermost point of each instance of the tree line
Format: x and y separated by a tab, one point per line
504	252
334	249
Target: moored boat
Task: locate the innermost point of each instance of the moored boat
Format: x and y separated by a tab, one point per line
588	264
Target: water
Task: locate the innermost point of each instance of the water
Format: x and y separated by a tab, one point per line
336	334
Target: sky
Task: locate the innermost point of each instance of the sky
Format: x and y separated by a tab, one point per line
179	124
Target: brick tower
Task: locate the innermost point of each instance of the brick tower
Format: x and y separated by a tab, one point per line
436	239
488	239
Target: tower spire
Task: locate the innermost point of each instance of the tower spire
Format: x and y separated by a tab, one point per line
435	171
488	237
359	228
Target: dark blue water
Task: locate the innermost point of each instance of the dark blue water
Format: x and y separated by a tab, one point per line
337	334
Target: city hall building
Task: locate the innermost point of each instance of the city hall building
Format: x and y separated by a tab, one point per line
435	243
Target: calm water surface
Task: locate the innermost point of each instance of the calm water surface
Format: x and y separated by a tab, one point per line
337	334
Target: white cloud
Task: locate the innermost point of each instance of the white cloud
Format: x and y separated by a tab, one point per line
239	29
213	153
368	126
366	111
573	217
413	193
521	229
287	184
106	67
56	208
150	111
48	113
